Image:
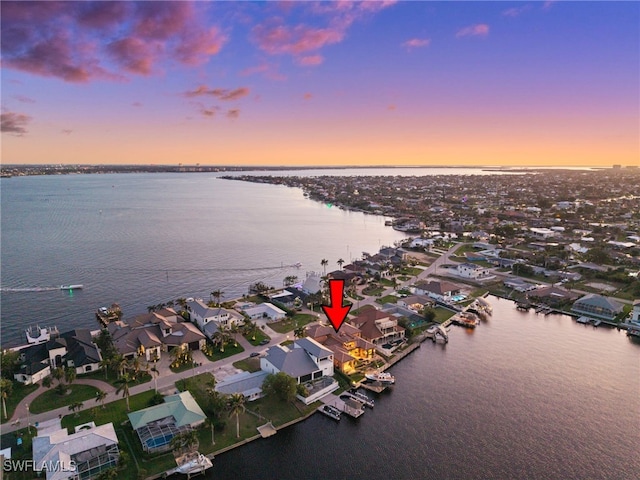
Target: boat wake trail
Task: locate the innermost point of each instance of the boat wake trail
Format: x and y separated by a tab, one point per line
28	289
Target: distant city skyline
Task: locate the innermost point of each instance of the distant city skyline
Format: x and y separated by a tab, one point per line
321	83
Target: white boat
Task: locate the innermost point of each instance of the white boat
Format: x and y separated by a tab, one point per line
71	287
382	377
195	464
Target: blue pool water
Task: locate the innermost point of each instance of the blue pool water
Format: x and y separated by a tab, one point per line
458	298
158	442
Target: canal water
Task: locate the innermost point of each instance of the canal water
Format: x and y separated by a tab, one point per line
521	396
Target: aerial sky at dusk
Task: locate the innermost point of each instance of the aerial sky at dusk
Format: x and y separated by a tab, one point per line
321	83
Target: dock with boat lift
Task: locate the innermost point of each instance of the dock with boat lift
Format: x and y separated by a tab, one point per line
352	407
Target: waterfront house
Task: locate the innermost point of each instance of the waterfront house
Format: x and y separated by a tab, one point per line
597	306
81	455
378	327
348	347
151	333
313	283
201	314
246	383
553	296
75	349
157	425
416	303
265	310
295	362
473	272
441	291
635	313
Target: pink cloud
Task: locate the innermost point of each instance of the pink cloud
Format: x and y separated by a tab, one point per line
307	96
548	4
14	122
477	30
66	131
136	104
516	11
268	70
134	55
220	93
279	39
310	60
84	41
417	43
234	113
391	107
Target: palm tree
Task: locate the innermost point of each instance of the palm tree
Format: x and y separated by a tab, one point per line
101	396
324	262
154	373
69	375
236	407
6	388
75	407
340	262
105	363
217	294
251	327
218	340
123	384
234	329
299	332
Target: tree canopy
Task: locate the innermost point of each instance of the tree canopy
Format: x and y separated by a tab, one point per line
281	385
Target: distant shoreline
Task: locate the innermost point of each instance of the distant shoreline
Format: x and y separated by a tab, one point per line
8	170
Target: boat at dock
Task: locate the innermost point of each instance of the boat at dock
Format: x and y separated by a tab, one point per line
330	411
71	287
382	377
362	397
466	319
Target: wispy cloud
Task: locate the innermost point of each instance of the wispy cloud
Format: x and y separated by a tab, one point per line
417	43
548	4
24	99
310	60
233	113
14	123
307	96
516	11
66	131
391	107
84	41
219	93
268	70
477	30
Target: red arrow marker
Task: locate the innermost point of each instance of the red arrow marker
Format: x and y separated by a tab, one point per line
336	312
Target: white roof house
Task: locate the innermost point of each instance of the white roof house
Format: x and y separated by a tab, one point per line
82	454
267	310
201	314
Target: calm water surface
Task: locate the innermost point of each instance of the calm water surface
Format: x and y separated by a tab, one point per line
521	396
143	239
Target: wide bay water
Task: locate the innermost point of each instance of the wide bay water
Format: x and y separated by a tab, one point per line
522	396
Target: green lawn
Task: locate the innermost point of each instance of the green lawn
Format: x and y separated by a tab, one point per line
387	299
373	291
182	367
115	412
19	452
229	349
248	364
442	314
51	399
111	378
19	392
411	271
386	282
259	336
289	324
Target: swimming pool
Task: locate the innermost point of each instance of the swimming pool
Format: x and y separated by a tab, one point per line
458	298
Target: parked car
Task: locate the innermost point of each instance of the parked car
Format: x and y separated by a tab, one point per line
264	342
254	354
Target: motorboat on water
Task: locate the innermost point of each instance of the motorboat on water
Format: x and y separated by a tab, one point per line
330	411
382	377
71	287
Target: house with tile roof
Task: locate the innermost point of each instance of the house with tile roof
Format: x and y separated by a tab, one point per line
151	333
348	347
378	327
438	290
597	306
